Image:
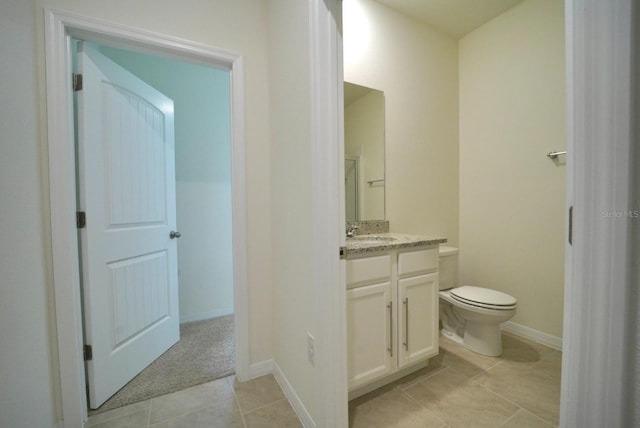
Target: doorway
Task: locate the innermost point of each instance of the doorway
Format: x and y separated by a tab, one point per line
201	120
61	27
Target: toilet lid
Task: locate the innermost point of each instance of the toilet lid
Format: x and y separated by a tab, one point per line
483	296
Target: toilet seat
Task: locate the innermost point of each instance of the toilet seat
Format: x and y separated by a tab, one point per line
483	298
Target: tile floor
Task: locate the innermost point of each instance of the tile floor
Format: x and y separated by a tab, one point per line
221	403
458	389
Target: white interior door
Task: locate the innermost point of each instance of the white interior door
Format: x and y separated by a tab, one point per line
127	189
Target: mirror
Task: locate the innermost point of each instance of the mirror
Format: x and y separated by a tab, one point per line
364	153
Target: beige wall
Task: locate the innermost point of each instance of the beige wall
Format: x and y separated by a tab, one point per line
512	221
417	69
27	375
294	312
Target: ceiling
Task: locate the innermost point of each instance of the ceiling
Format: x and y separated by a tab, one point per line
454	17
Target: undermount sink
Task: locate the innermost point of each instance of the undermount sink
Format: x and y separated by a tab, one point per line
371	239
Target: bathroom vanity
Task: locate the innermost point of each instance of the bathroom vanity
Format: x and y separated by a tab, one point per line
392	307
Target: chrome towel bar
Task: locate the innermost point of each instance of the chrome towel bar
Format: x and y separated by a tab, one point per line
375	181
553	155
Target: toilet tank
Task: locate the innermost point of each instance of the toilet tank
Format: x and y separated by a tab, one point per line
448	267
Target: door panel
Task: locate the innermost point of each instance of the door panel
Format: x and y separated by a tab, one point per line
369	336
140	295
127	189
418	318
135	162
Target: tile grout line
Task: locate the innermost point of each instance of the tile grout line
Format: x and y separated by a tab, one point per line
511	417
149	413
192	411
406	394
480	385
417	381
528	371
519	406
530	413
269	404
90	424
486	370
235	398
545	375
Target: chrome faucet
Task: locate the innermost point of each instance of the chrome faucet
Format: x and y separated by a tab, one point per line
351	230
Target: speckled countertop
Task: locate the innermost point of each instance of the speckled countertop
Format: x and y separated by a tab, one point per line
388	241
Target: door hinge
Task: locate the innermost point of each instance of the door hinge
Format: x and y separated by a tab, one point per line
81	219
76	82
88	353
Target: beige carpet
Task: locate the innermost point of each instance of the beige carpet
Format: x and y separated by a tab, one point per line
205	352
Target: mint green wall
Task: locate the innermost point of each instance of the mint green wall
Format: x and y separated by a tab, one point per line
201	98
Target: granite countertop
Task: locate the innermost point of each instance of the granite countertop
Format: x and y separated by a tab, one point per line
388	241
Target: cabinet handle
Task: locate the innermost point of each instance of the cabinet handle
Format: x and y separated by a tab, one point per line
406	323
390	348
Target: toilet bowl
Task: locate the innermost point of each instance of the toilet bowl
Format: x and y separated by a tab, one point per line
471	315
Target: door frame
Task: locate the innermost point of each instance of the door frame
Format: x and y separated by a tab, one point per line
60	27
600	179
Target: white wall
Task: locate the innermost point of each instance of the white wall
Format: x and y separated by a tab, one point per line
512	112
293	292
203	177
417	69
27	358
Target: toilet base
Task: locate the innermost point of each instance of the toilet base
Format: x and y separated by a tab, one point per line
483	338
452	336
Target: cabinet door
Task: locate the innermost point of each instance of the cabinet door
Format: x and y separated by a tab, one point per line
417	318
369	333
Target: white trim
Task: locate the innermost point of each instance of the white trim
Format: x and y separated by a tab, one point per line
327	175
537	336
205	315
598	35
239	219
294	400
260	369
267	367
59	27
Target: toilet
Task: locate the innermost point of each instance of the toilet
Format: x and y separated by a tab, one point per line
471	315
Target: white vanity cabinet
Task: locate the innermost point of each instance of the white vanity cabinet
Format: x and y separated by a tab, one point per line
369	319
392	313
417	305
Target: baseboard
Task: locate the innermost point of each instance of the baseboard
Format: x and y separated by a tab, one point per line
199	316
271	367
294	400
260	369
532	334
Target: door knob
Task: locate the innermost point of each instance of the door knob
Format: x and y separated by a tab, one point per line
173	234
